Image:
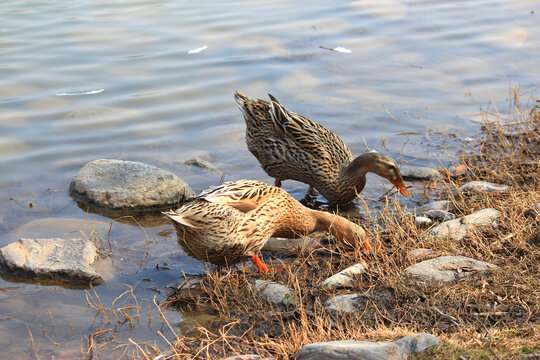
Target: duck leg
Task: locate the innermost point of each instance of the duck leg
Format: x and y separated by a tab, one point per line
278	182
259	264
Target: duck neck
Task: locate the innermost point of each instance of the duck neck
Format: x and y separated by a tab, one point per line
344	230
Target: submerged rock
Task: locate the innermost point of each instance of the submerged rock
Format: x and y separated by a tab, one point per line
54	259
203	164
482	186
344	277
347	303
273	292
419	173
458	228
448	268
368	350
128	185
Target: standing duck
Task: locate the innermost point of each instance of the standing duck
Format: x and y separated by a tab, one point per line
232	222
290	146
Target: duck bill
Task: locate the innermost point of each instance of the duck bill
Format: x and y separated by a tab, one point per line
400	185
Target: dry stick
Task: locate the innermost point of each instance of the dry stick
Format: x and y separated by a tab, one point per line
139	348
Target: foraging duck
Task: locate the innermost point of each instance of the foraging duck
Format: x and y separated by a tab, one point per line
290	146
232	222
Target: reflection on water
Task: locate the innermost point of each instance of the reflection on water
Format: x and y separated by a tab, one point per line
415	67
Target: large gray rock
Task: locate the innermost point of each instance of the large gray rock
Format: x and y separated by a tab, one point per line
419	173
128	185
458	228
347	303
482	186
368	350
448	268
273	292
54	259
344	277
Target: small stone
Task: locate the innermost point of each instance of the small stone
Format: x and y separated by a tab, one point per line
439	215
344	277
188	283
445	205
54	259
457	229
482	186
534	211
128	185
422	222
347	303
419	173
284	244
448	268
368	350
200	163
248	357
420	254
273	292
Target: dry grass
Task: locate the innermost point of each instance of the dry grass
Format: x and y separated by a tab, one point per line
492	316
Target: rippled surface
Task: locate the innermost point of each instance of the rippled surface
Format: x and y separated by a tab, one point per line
83	80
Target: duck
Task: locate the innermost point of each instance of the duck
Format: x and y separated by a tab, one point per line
230	223
291	146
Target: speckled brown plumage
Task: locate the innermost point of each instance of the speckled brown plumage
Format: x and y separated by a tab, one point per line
232	222
290	146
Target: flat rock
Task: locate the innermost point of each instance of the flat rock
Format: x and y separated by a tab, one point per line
284	244
368	350
128	185
420	254
422	222
273	292
347	303
439	215
457	229
54	258
445	205
482	186
419	173
344	277
448	268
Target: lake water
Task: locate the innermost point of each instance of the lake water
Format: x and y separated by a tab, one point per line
84	80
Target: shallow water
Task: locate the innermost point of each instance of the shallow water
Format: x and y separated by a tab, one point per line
84	80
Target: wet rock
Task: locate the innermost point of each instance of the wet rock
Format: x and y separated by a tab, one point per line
54	258
419	173
457	229
439	215
482	186
420	254
347	303
534	211
368	350
284	244
344	277
445	205
448	268
128	185
273	292
200	163
247	357
188	283
422	222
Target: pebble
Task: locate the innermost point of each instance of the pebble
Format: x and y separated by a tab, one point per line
422	222
247	357
447	268
457	229
128	185
419	173
482	186
445	205
64	260
200	163
344	277
439	215
368	350
347	303
420	254
273	292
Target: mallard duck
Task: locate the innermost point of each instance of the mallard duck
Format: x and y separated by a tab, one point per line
290	146
232	222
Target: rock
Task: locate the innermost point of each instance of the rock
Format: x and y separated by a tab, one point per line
128	185
534	211
284	244
200	163
347	303
368	350
439	215
445	205
422	222
420	254
482	186
419	173
248	357
344	277
189	282
54	258
448	268
458	228
273	292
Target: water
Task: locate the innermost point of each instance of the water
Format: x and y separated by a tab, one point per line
84	80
